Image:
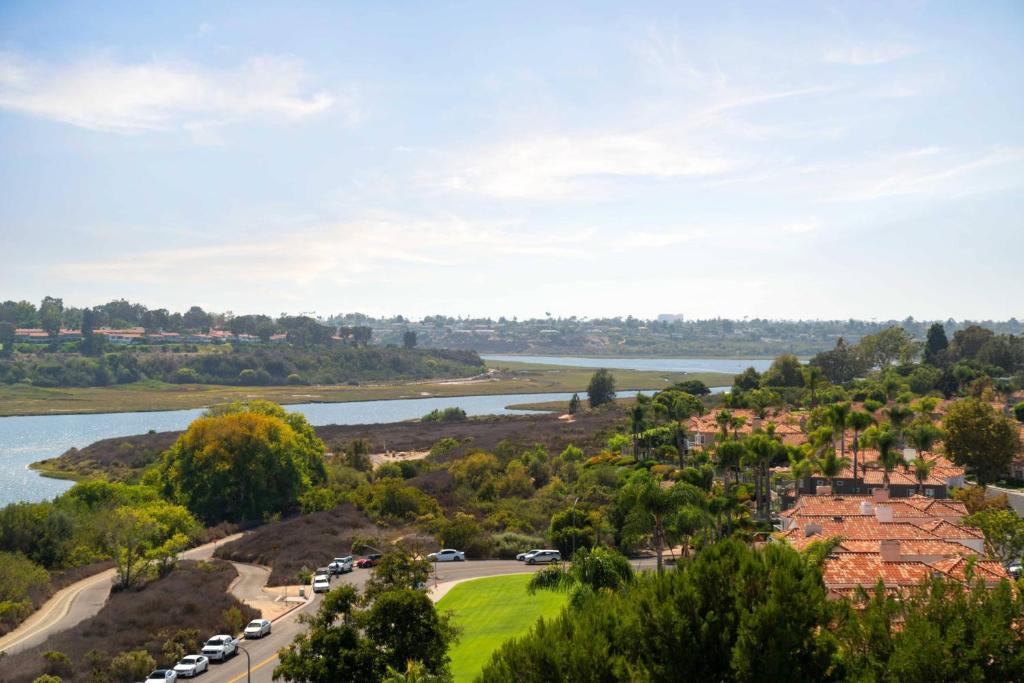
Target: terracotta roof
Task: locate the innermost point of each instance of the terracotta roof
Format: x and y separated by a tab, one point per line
956	567
845	570
915	506
912	547
943	529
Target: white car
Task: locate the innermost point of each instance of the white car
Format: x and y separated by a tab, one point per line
547	556
191	666
321	584
257	628
162	676
447	555
341	565
219	648
522	556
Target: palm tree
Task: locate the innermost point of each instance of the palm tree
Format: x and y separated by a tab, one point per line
858	421
888	457
812	378
836	417
723	418
736	422
831	465
728	455
922	435
762	452
899	415
922	470
652	509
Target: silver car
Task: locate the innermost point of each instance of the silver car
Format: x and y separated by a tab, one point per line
544	556
257	628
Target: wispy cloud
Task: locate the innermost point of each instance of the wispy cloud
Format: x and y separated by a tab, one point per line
103	94
868	54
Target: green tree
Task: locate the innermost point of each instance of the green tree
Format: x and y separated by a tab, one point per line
590	571
935	345
831	465
51	314
1004	532
652	509
601	389
405	627
409	339
785	371
813	376
241	466
892	345
1018	411
922	470
397	569
7	334
574	404
978	437
858	422
763	451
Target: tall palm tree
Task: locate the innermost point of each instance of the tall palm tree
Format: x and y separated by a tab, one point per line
652	509
888	457
858	421
899	415
736	422
922	435
728	455
836	417
762	452
723	418
812	378
922	470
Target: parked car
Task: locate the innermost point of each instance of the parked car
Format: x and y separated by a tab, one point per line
162	675
257	628
191	666
220	648
522	556
340	565
544	556
368	561
447	555
1015	570
321	584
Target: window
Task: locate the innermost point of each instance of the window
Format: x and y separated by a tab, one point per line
839	483
930	492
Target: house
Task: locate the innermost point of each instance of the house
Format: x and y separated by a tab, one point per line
943	477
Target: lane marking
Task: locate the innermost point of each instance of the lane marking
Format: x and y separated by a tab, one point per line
259	665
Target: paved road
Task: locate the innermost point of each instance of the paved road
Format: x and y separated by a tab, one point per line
75	603
263	652
1014	497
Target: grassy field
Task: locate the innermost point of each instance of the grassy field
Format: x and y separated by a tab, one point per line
504	378
490	611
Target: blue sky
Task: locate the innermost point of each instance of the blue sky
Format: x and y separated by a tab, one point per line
790	160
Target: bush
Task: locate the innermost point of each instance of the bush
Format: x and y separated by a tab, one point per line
509	544
48	679
131	666
234	620
453	414
1018	411
444	447
57	663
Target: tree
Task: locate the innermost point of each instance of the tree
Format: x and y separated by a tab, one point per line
812	380
7	334
601	389
922	470
935	345
892	345
129	536
840	365
574	404
968	342
241	466
1018	411
763	451
837	416
51	314
785	371
405	627
591	571
981	439
888	456
858	421
409	339
651	510
1004	532
397	569
831	465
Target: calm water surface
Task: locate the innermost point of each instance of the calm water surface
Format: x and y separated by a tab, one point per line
24	440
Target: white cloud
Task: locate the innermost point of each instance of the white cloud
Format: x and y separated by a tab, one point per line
102	94
555	166
868	54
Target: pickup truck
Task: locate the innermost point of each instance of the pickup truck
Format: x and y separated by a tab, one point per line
219	648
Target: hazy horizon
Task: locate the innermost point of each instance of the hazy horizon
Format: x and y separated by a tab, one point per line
802	161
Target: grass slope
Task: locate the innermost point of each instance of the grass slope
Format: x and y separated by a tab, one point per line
490	611
508	378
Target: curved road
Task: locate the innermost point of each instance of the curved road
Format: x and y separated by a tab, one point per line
75	603
263	652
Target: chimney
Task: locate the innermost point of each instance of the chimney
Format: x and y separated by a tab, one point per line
881	495
866	508
883	513
823	491
890	550
812	528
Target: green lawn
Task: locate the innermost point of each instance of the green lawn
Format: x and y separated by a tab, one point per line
490	611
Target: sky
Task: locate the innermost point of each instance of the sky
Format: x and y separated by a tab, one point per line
763	159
